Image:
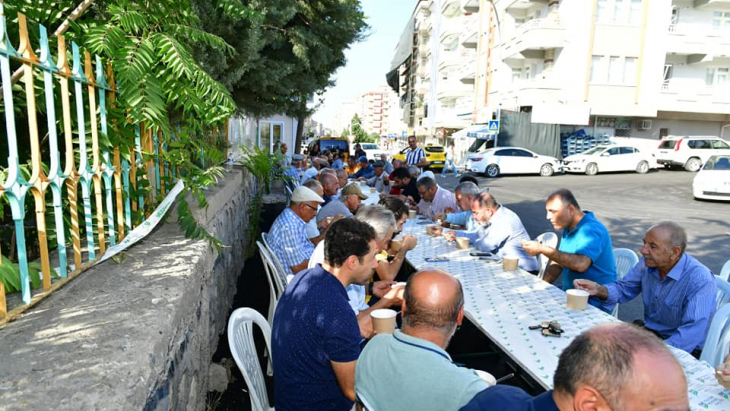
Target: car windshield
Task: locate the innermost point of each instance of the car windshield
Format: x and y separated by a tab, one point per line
718	163
369	146
593	150
434	149
333	145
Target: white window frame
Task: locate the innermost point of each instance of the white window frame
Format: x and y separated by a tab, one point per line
715	74
721	20
271	133
600	70
621	12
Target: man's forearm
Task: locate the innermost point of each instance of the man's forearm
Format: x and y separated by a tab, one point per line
575	262
552	273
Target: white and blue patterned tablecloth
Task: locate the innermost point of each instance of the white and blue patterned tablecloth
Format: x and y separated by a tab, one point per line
503	304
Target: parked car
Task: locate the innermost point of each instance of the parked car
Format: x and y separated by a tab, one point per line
690	152
511	160
373	151
435	155
713	180
610	158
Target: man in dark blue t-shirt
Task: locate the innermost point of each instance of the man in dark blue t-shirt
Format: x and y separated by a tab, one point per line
315	335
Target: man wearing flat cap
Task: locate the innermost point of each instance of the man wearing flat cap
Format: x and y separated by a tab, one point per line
346	205
380	179
288	235
366	169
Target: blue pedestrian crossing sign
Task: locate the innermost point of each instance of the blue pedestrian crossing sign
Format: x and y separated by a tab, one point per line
494	125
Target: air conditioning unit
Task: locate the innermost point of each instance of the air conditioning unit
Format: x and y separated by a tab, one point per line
644	124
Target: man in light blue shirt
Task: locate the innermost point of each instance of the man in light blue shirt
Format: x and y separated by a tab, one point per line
465	194
420	374
678	291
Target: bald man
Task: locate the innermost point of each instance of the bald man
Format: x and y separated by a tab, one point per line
420	374
613	366
330	186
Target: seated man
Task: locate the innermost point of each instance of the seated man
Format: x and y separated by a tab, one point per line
352	166
585	249
292	170
315	339
502	232
386	163
678	291
465	194
339	161
341	179
394	189
366	169
312	171
288	235
380	179
434	199
346	205
612	366
330	186
407	185
315	229
410	369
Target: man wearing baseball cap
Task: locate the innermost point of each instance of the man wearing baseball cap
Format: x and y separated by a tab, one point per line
366	169
346	205
288	235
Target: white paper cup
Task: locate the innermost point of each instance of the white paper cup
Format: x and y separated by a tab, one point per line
462	243
487	377
577	299
383	320
411	214
510	264
372	190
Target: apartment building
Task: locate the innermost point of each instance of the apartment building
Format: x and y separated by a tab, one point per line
378	110
635	68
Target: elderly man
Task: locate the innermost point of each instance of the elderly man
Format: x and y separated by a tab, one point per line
285	152
502	232
678	291
388	166
288	235
313	171
465	194
434	199
330	186
293	170
420	374
609	367
315	229
366	169
315	335
585	249
346	205
380	179
407	185
415	156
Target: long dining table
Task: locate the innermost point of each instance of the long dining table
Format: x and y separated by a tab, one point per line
503	304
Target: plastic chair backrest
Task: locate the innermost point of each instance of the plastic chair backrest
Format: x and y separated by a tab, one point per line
550	239
723	291
364	403
273	295
725	272
240	341
280	278
718	337
625	260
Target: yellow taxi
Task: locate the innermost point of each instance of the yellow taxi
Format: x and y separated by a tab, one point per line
435	154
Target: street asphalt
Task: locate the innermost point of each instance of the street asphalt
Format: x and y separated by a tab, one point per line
628	204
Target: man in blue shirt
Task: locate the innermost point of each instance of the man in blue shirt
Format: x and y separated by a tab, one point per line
612	366
585	249
415	156
366	169
465	194
315	335
678	291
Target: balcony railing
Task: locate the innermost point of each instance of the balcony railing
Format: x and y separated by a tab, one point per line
451	58
535	34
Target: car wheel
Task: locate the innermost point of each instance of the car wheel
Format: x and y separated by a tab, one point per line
693	164
492	170
643	167
546	170
591	169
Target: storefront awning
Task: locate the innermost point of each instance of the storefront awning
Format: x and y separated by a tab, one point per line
480	131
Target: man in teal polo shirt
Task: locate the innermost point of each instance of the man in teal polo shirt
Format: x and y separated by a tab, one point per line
585	249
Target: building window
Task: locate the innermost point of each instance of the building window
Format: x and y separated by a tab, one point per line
630	70
717	76
619	11
597	73
721	20
635	12
602	11
516	75
615	73
663	132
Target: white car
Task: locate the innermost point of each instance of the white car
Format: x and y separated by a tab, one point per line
690	152
713	180
373	151
610	158
511	160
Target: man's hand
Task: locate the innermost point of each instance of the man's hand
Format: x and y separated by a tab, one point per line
532	248
450	236
440	216
395	295
593	288
381	288
326	222
409	242
723	373
437	230
448	210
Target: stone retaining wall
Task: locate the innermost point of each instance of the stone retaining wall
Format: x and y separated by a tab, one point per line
137	335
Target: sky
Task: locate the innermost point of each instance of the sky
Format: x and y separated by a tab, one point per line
369	60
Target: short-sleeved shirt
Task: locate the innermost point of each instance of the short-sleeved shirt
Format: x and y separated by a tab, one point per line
413	157
441	200
401	372
508	398
333	208
411	190
589	238
356	293
288	239
313	325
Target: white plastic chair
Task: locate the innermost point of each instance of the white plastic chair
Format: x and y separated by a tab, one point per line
240	340
280	278
363	403
725	272
718	337
273	292
625	260
550	239
723	292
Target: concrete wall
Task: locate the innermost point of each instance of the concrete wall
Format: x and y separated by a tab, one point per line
137	335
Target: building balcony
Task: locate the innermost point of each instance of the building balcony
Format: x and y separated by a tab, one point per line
449	59
450	8
713	5
532	38
450	30
464	105
470	32
450	117
688	97
451	90
698	40
470	6
530	92
423	88
521	7
424	7
467	73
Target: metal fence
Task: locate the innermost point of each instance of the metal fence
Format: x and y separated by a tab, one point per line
67	158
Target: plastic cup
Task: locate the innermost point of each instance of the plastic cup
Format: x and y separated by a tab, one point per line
411	214
383	320
462	243
372	189
510	264
577	299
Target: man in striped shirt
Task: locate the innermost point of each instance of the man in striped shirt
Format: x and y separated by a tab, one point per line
678	291
415	156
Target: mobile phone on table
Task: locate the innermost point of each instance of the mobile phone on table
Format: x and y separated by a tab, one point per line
481	254
436	259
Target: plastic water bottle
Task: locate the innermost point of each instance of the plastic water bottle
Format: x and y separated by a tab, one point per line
229	161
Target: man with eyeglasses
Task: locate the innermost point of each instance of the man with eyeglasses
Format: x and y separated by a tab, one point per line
288	235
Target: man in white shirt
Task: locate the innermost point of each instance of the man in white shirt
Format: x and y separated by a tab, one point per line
380	180
434	199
